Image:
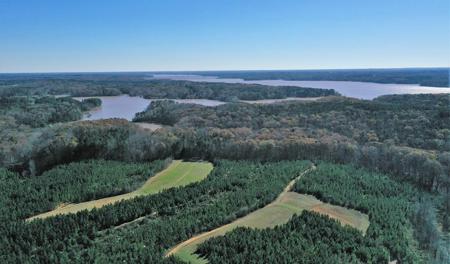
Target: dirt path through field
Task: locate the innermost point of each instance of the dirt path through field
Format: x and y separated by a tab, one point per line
177	174
223	229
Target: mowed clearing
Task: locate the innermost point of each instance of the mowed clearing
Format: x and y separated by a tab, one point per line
177	174
276	213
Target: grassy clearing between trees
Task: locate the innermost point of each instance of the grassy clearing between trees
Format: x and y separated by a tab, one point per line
276	213
177	174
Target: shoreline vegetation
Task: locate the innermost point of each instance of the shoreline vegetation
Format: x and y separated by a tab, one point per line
387	158
437	77
434	77
157	89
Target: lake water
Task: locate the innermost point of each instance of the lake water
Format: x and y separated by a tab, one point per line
362	90
125	106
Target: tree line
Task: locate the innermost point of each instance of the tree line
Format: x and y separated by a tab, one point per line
425	77
233	189
311	238
42	111
76	182
155	89
388	204
414	121
306	238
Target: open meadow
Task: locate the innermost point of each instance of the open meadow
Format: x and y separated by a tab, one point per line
177	174
274	214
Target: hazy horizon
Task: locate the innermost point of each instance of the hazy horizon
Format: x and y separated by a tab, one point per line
226	70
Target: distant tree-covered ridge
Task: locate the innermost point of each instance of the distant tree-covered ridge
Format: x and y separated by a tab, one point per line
437	77
156	89
36	111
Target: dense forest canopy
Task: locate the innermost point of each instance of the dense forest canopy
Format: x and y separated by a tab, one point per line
70	183
232	190
418	123
156	89
41	111
389	157
307	238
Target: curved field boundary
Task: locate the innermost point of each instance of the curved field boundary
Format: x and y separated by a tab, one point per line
276	213
178	174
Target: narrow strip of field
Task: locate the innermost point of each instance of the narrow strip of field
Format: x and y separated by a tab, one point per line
177	174
148	126
276	101
276	213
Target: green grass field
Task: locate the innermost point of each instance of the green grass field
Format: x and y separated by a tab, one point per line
176	175
277	213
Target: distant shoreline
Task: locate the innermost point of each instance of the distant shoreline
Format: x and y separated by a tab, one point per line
423	76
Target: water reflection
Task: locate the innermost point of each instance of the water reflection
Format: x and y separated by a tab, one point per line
361	90
125	106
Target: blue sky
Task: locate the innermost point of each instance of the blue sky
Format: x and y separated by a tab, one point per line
139	35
